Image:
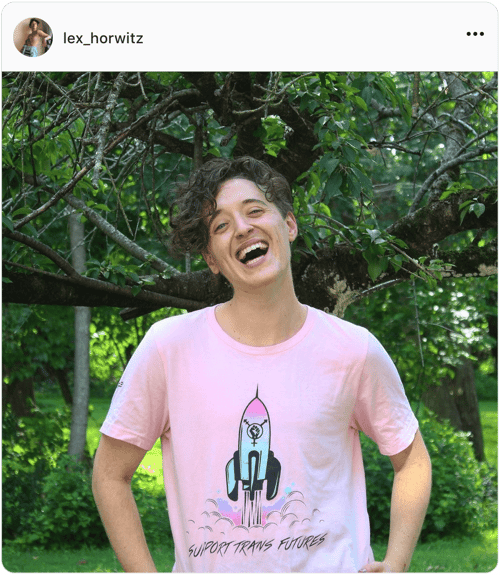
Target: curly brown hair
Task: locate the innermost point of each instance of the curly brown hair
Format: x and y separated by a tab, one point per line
196	198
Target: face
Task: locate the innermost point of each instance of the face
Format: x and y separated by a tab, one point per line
34	26
249	239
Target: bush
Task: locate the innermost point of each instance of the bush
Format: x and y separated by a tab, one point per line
463	499
47	495
68	516
30	448
486	387
152	506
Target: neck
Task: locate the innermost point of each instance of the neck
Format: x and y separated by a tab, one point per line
259	319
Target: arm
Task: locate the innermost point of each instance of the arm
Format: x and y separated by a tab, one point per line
410	498
114	465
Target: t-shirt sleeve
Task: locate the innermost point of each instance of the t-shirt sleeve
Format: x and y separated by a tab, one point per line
139	409
382	410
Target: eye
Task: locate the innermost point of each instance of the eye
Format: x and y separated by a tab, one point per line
255	211
220	227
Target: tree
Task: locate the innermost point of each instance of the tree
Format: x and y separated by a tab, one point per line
36	354
81	386
439	340
394	178
386	169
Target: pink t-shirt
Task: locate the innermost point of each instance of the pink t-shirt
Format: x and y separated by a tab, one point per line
261	455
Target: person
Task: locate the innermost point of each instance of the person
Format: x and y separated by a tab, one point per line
36	40
258	402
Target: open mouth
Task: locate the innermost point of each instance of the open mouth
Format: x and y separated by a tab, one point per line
253	252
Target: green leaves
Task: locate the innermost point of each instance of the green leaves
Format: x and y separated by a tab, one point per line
329	162
471	206
7	222
459	504
376	254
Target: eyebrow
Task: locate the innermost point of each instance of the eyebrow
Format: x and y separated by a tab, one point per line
244	202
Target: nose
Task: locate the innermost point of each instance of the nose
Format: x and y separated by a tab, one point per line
242	226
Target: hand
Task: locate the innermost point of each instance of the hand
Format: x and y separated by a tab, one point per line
376	567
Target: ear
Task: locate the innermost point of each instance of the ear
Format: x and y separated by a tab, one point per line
211	262
293	228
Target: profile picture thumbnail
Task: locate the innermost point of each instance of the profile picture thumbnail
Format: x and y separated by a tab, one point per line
33	37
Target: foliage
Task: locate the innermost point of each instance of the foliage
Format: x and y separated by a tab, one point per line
152	506
31	447
487	387
112	343
489	423
67	516
427	332
35	332
47	495
361	150
463	499
45	335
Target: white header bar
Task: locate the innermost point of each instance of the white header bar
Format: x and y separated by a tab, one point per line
232	36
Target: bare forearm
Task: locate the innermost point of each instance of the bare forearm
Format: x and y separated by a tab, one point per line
121	519
410	498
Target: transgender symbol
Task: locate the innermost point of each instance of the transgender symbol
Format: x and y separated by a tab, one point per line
253	462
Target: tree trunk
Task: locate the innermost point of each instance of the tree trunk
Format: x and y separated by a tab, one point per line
20	395
456	400
81	384
62	379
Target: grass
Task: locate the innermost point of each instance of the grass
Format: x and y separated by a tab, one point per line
75	561
451	556
489	421
477	555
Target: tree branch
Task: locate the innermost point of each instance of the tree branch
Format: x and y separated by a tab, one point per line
104	127
41	287
128	245
66	189
445	167
41	248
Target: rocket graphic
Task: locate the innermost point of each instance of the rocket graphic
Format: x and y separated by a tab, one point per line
253	462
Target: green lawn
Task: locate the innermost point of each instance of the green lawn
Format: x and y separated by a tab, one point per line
79	561
478	556
489	421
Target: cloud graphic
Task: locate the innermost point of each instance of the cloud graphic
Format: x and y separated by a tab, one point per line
222	519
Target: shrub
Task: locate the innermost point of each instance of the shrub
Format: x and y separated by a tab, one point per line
463	491
30	448
486	387
47	496
152	506
68	516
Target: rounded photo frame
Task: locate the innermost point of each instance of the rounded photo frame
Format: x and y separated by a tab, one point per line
33	37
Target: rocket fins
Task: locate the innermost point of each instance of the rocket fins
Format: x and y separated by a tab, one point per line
273	473
232	477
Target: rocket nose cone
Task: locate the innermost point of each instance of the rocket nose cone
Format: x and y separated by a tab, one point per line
256	409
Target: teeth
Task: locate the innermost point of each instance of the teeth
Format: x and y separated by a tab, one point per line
244	252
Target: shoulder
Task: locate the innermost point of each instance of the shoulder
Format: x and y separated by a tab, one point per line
178	327
339	339
340	328
169	335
